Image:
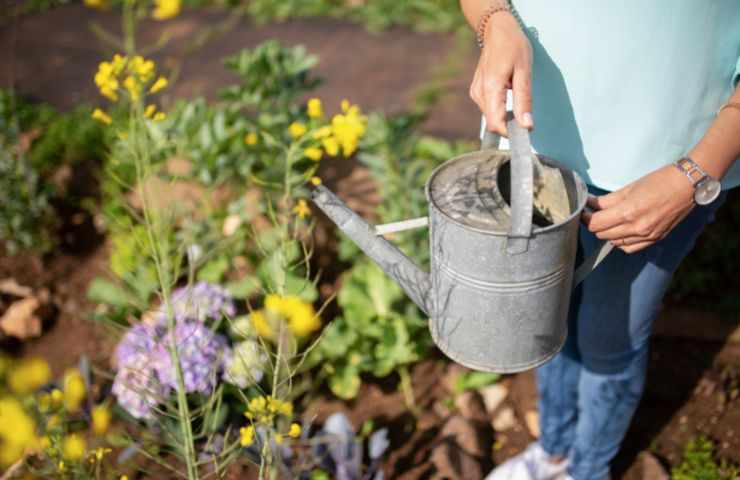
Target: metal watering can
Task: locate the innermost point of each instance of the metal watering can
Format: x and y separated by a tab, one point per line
503	234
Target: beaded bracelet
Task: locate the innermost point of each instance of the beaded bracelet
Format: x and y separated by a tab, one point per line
496	6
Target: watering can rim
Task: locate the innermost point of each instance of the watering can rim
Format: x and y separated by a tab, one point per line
580	187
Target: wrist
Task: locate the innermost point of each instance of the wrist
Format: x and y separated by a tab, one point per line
498	15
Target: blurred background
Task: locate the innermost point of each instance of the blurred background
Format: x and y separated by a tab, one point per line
240	77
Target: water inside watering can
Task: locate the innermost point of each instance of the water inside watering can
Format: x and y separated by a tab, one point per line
475	189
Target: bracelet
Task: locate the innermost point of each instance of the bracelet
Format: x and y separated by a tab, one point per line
729	105
496	6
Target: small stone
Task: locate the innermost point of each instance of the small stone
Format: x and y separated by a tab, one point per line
471	406
651	469
453	463
532	419
465	435
493	396
504	420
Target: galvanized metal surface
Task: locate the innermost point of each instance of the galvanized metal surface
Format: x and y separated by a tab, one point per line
489	309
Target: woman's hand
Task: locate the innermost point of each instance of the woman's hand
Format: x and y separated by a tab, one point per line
505	62
643	212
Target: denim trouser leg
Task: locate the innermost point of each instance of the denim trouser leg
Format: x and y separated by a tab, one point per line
590	390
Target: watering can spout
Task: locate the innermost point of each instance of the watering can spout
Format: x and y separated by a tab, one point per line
389	258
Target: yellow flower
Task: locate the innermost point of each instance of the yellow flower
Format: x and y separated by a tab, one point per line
261	326
106	80
297	129
99	4
99	453
331	146
61	467
263	409
101	116
159	116
314	108
313	153
101	417
73	447
165	9
17	432
302	319
348	128
142	68
28	375
246	436
123	477
134	90
322	132
301	209
315	181
56	397
278	439
295	430
74	390
251	139
160	84
149	111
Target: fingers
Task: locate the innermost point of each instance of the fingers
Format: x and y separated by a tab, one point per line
603	219
604	201
522	92
636	247
494	105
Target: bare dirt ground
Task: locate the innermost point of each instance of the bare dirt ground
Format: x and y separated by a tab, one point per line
695	361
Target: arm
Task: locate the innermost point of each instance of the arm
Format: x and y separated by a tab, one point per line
505	62
645	211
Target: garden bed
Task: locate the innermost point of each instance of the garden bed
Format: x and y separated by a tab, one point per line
439	427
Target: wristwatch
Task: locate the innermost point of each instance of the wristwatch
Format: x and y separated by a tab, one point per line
706	187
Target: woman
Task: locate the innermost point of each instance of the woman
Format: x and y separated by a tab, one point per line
627	94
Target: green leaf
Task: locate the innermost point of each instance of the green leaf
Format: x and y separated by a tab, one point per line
475	380
345	383
214	270
244	288
103	291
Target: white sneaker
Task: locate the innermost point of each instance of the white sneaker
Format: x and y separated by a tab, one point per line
532	464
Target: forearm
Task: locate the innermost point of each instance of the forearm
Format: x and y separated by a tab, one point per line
720	146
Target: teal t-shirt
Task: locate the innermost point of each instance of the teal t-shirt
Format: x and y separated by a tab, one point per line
621	88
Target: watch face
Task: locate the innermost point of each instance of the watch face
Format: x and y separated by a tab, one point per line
707	191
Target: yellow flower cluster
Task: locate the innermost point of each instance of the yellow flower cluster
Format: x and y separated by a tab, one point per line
131	76
74	390
300	316
264	409
301	209
17	432
98	4
342	135
28	375
164	9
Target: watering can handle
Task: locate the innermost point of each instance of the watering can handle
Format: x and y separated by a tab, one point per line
522	182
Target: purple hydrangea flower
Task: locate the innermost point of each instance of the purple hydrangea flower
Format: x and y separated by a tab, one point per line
201	354
202	301
140	339
136	387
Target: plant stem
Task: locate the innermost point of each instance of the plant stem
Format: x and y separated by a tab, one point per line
160	254
408	390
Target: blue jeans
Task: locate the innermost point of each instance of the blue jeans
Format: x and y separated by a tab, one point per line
589	392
